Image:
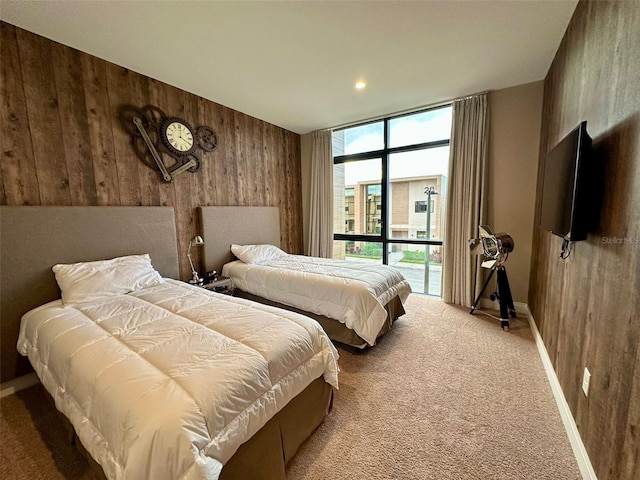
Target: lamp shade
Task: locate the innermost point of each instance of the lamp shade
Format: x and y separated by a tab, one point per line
197	241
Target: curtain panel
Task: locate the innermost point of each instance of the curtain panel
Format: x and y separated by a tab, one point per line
466	209
321	201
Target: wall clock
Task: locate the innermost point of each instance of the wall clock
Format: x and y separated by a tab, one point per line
156	138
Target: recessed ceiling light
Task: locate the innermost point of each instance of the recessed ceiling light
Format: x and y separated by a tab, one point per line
360	85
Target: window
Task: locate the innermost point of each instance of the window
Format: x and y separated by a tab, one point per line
421	206
390	187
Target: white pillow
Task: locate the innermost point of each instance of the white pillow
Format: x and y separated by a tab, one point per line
87	281
257	254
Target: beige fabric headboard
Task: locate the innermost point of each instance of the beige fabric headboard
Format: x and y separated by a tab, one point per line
222	226
33	239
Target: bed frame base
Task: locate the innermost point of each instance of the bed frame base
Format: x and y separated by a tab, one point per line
265	455
336	330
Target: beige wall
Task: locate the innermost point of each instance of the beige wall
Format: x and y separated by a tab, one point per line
514	138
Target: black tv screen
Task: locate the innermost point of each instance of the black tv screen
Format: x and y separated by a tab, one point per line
567	185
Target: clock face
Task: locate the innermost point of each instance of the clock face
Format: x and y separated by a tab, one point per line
180	137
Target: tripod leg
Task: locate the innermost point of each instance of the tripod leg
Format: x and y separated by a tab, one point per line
506	301
484	287
509	298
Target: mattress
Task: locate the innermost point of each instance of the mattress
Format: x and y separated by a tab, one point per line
352	293
168	381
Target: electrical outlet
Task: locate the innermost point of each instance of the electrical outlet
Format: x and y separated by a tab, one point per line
586	378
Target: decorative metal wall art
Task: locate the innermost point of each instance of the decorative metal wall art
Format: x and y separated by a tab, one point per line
155	136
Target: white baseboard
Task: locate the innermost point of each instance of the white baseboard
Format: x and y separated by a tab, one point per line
522	308
17	384
488	304
565	413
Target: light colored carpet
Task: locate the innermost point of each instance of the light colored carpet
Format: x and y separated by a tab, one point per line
34	444
444	395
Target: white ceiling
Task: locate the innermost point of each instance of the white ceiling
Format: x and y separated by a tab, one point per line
294	63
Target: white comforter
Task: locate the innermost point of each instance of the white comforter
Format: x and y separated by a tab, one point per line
350	292
167	382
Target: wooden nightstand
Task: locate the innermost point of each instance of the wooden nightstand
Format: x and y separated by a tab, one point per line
220	285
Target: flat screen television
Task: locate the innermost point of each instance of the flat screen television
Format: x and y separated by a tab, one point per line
567	189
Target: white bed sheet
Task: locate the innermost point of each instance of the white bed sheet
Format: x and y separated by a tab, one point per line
167	382
354	293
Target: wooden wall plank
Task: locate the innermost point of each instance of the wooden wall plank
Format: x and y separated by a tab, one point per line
158	98
295	176
44	118
126	161
74	124
147	177
588	307
263	160
215	171
278	199
253	172
293	207
18	168
240	125
211	162
3	194
99	118
196	182
230	156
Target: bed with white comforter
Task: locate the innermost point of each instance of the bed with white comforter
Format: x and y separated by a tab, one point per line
353	293
166	382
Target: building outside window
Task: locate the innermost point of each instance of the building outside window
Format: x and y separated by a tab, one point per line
386	172
373	209
349	210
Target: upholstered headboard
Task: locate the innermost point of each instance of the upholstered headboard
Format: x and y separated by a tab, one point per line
222	226
33	239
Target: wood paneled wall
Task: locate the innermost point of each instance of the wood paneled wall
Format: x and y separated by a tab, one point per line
62	142
587	307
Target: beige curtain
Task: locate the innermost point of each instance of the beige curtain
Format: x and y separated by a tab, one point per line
321	202
462	275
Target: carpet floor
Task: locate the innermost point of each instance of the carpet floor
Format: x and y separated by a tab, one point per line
444	395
